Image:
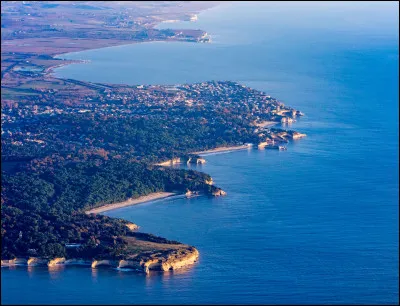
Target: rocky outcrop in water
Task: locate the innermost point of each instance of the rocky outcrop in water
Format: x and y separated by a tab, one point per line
13	262
56	261
37	261
196	160
218	192
170	260
297	135
159	261
104	262
180	259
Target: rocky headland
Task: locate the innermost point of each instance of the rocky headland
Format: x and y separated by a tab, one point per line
157	261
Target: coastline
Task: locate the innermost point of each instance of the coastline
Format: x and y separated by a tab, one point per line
267	123
130	202
51	70
224	149
174	259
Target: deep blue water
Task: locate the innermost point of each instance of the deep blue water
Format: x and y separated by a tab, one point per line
315	224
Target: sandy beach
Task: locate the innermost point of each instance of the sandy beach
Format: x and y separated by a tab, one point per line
224	149
266	123
129	202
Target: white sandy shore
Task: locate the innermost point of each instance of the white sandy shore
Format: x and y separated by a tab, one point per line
129	202
266	123
234	148
224	149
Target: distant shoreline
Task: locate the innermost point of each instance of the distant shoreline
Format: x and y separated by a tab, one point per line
130	202
52	70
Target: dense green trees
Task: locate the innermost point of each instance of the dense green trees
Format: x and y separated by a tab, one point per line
150	139
58	165
43	211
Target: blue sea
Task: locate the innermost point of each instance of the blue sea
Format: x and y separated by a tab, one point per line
316	224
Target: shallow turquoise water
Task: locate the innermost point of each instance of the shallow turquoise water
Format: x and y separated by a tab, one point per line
315	224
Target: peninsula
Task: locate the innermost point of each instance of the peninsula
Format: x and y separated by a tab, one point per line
72	149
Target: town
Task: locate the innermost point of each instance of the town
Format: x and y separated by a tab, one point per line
228	104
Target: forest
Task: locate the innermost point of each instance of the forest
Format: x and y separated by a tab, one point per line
43	211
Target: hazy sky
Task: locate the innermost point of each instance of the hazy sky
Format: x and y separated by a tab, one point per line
357	15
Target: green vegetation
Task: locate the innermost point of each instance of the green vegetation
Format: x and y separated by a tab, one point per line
59	162
152	139
43	211
69	146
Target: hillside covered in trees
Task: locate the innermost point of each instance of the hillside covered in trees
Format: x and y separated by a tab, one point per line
56	165
43	211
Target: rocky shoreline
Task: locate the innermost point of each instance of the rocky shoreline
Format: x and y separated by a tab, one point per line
159	261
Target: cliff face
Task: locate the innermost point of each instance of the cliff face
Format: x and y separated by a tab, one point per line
37	261
262	145
162	260
129	264
12	262
105	262
297	135
218	193
176	261
194	160
172	261
200	161
56	261
178	160
132	226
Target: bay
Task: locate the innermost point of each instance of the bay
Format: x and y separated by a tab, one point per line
317	224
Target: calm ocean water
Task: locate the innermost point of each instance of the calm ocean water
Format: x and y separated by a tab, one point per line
315	224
